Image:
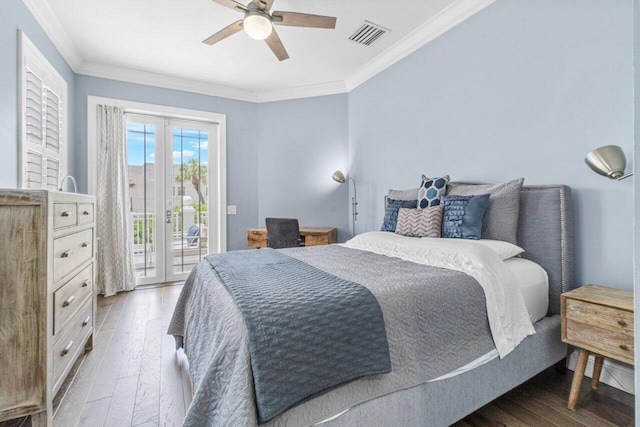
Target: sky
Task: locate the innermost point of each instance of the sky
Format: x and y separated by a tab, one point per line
186	143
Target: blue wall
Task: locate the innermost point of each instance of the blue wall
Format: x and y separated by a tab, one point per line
242	141
15	16
508	93
523	88
302	142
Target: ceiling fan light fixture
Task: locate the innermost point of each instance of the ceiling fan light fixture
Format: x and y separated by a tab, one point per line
258	25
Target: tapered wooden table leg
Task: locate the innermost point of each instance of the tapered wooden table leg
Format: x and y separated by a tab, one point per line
578	374
597	369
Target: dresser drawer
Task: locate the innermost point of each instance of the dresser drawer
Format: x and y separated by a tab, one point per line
64	215
600	316
85	213
71	251
618	345
70	343
70	296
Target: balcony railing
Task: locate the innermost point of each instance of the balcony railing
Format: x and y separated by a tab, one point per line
184	252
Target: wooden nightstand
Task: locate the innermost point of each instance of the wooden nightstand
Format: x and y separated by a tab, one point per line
597	320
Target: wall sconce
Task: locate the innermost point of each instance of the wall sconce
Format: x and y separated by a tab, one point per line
338	176
608	161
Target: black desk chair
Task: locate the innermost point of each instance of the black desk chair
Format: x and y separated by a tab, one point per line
283	233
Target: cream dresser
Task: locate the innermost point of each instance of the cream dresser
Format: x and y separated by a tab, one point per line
47	297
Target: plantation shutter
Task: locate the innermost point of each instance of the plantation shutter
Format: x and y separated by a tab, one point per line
43	97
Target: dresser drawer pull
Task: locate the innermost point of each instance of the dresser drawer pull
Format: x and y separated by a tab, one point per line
86	283
66	213
624	347
68	301
622	323
85	244
66	253
86	213
86	321
66	349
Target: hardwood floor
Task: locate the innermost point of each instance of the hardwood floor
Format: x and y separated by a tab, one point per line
134	377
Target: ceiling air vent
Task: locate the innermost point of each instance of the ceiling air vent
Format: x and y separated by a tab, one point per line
368	33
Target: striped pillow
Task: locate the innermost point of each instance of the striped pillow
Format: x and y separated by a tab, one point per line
420	222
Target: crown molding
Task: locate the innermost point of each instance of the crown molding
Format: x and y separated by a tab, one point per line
308	91
49	22
438	25
129	75
430	30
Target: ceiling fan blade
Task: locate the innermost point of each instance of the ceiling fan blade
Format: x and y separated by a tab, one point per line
264	3
293	19
232	4
224	33
276	46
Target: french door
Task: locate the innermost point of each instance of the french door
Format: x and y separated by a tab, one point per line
172	180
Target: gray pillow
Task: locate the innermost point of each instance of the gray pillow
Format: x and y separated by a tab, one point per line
411	194
425	222
501	218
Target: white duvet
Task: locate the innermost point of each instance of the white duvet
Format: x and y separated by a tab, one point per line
508	317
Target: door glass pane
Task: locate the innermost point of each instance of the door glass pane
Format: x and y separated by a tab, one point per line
141	152
190	192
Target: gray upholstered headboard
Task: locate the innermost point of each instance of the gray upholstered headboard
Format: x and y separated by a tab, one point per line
545	231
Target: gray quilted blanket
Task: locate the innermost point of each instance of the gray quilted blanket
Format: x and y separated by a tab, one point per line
435	320
309	331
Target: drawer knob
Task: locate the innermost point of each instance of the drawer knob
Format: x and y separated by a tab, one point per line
85	213
66	213
68	301
66	349
86	321
85	244
622	323
624	347
66	253
86	283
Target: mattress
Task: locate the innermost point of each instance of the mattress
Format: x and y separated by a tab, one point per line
533	282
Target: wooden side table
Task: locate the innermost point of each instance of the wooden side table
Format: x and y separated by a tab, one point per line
310	236
597	320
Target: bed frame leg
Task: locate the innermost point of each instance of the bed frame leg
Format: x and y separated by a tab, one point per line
561	367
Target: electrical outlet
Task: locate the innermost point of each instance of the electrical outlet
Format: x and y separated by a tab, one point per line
231	210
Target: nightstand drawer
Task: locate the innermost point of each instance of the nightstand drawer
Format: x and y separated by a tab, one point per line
615	320
618	345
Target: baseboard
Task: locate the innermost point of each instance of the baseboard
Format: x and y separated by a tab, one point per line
614	373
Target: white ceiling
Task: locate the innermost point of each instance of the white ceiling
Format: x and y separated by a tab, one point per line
159	42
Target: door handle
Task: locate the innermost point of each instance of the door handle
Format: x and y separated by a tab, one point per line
169	216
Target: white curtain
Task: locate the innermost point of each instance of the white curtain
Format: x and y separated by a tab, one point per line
115	270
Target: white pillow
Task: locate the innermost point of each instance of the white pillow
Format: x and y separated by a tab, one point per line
504	250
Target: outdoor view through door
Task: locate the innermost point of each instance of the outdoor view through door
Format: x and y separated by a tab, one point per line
169	173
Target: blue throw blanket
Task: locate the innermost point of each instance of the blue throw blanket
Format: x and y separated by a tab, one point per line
309	331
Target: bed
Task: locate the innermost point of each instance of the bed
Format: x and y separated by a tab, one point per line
435	390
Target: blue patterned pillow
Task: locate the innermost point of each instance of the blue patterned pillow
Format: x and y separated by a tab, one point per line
463	215
431	190
391	213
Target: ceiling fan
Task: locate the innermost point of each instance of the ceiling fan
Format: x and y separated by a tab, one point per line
258	24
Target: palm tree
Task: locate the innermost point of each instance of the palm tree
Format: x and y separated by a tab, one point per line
196	172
